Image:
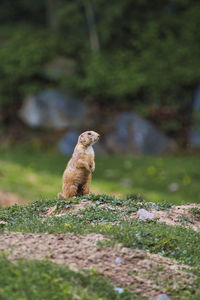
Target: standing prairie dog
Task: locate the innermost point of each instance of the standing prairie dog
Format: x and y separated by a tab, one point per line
77	175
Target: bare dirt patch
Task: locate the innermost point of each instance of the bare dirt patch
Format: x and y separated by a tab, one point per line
148	274
176	216
8	199
179	215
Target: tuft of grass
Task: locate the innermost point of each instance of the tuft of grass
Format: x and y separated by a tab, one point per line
195	213
30	280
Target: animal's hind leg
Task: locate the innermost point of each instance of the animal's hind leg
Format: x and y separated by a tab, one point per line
86	187
70	191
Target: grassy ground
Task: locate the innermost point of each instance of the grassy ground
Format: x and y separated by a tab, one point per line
175	242
152	236
34	174
31	280
44	280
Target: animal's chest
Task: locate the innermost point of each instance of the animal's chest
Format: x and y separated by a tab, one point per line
90	153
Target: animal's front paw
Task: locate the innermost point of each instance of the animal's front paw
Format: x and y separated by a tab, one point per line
92	168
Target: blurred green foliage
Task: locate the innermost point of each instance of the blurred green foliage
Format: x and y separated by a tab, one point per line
21	58
148	49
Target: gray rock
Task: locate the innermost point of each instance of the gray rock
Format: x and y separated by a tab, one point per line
119	290
118	260
132	134
68	142
194	136
54	110
144	215
162	297
173	187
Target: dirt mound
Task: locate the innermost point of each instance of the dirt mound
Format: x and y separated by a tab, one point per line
149	274
84	203
8	199
175	216
179	215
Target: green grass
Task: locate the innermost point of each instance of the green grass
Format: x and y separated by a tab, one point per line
37	174
195	213
31	280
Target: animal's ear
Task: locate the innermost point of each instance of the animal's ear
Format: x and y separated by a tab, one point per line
81	138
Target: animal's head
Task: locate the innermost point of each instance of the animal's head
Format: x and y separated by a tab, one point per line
88	138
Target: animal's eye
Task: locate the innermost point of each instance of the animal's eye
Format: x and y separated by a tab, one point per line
89	133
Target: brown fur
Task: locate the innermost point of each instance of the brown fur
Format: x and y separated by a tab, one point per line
77	175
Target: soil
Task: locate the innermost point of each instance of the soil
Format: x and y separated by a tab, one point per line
8	199
149	274
177	216
84	203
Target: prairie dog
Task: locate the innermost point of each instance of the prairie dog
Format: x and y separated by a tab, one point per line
77	175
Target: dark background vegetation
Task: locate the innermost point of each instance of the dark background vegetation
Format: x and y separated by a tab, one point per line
139	55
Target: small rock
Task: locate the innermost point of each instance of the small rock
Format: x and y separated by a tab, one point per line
118	260
143	215
111	208
3	222
173	187
162	297
120	290
84	200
